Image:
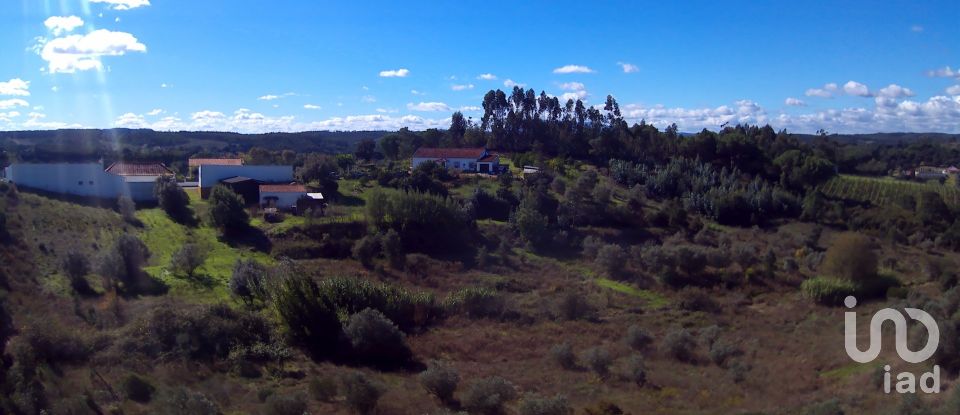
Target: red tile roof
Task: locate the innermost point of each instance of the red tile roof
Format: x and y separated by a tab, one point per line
214	162
449	153
489	158
138	169
283	188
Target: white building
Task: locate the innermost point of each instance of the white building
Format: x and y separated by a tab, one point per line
477	160
89	179
282	196
211	175
930	172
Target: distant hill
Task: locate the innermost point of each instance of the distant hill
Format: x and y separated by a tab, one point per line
884	138
94	142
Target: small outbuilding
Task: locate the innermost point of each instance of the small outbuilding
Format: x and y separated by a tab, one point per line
246	187
281	196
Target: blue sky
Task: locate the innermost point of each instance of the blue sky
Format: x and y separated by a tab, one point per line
254	66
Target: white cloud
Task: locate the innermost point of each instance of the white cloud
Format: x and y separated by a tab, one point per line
15	87
945	72
369	99
470	108
510	83
581	95
13	103
826	92
269	97
856	89
916	28
895	91
62	24
953	90
572	86
428	106
312	107
55	88
164	86
573	69
395	73
938	113
415	92
386	110
794	102
246	121
155	112
487	77
123	4
628	67
461	87
694	119
73	53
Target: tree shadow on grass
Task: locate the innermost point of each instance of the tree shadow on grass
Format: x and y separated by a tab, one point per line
350	200
248	236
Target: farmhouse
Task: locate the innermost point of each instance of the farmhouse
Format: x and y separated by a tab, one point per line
90	179
930	172
289	197
197	162
477	160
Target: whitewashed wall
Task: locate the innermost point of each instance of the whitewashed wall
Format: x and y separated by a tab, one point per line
80	179
469	164
284	199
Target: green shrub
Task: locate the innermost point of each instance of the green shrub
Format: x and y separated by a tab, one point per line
611	259
679	345
127	209
827	291
696	299
598	360
563	354
573	306
636	370
393	249
722	351
851	258
136	388
637	338
195	332
173	199
376	340
475	302
182	401
440	380
226	211
248	281
123	263
535	405
323	389
366	250
591	246
285	404
309	317
831	407
408	310
487	396
361	392
424	222
187	259
76	265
